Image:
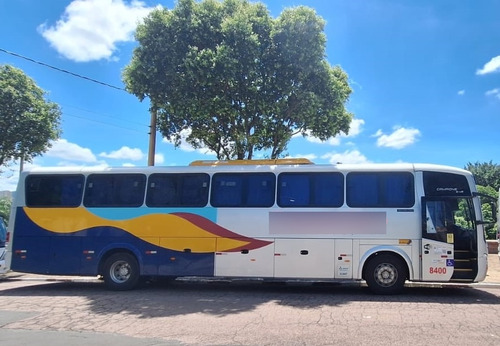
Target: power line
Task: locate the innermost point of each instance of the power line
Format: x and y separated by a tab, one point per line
60	69
104	123
79	76
65	106
151	133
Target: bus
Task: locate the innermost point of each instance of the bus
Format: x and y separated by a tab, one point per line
498	223
284	219
3	240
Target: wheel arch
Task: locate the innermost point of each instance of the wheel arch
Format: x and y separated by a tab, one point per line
118	248
387	250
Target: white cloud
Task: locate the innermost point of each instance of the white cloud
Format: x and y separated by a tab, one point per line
159	159
461	92
311	157
494	92
124	153
68	155
98	166
401	137
334	141
491	66
354	130
90	29
185	146
348	156
65	150
9	177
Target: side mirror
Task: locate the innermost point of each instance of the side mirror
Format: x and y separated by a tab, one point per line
492	203
493	207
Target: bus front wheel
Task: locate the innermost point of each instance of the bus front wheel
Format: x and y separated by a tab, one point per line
385	274
121	272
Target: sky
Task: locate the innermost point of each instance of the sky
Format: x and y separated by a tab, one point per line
425	76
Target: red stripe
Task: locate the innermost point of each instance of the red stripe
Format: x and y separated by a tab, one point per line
219	231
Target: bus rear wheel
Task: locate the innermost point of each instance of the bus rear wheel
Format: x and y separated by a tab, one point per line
121	272
385	274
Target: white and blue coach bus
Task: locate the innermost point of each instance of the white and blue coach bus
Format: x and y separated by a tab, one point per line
271	219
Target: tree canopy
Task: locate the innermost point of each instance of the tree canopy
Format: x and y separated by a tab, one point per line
486	173
28	122
236	80
487	176
5	204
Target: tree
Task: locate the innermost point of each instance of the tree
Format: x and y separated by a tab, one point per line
5	204
486	174
28	122
487	211
235	80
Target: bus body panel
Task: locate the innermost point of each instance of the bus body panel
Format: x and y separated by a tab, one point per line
80	252
344	259
438	261
246	263
304	258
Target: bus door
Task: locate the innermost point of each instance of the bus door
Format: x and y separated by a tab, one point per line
437	242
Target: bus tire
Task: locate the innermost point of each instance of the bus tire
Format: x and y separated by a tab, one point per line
385	274
121	272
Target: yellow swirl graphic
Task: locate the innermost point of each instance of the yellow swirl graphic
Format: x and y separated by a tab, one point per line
165	230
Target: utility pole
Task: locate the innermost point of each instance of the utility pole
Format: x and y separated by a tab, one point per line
21	161
152	137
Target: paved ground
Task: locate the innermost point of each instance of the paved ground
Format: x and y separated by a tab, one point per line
62	313
493	275
76	329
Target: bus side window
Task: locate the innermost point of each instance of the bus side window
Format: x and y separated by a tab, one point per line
328	190
194	190
129	190
362	190
243	190
440	219
293	190
177	190
380	190
226	190
261	190
435	216
115	190
161	191
61	190
311	189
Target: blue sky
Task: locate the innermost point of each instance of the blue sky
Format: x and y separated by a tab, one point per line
425	76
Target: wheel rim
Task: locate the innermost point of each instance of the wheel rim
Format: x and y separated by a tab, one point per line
386	274
120	271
